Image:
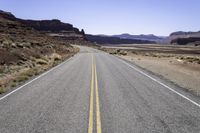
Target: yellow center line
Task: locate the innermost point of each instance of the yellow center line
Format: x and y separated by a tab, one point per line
90	126
94	81
98	115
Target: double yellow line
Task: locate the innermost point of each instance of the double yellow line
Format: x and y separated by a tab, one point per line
94	83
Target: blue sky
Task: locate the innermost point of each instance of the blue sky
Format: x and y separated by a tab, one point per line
159	17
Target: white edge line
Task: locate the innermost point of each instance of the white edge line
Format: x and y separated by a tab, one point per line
3	97
160	83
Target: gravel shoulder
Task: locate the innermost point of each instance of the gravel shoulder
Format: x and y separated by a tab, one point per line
184	75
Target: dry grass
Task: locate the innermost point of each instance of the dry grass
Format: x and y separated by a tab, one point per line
19	73
190	59
41	62
33	72
56	57
117	52
13	85
21	78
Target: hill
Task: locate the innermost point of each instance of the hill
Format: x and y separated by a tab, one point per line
26	35
187	41
29	47
185	38
100	39
182	34
42	25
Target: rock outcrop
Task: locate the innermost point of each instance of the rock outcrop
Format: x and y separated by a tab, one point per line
55	26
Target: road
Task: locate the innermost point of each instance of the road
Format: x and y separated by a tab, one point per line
97	92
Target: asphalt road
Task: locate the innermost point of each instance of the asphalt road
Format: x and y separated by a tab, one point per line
97	92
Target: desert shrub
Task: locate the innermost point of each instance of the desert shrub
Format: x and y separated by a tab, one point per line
113	52
192	59
6	43
118	50
2	90
123	53
1	69
13	85
134	52
56	57
22	78
32	72
41	62
44	58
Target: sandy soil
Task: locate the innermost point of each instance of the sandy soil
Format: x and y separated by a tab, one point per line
185	75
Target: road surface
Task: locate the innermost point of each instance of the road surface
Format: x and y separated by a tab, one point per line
97	92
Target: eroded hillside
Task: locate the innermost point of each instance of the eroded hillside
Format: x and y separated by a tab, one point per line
26	51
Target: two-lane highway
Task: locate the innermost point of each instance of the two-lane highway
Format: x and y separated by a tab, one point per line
94	84
97	92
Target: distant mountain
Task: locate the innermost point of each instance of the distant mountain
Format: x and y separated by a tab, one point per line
179	38
183	34
103	39
185	41
149	37
183	38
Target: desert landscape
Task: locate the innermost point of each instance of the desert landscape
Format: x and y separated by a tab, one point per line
108	66
176	63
